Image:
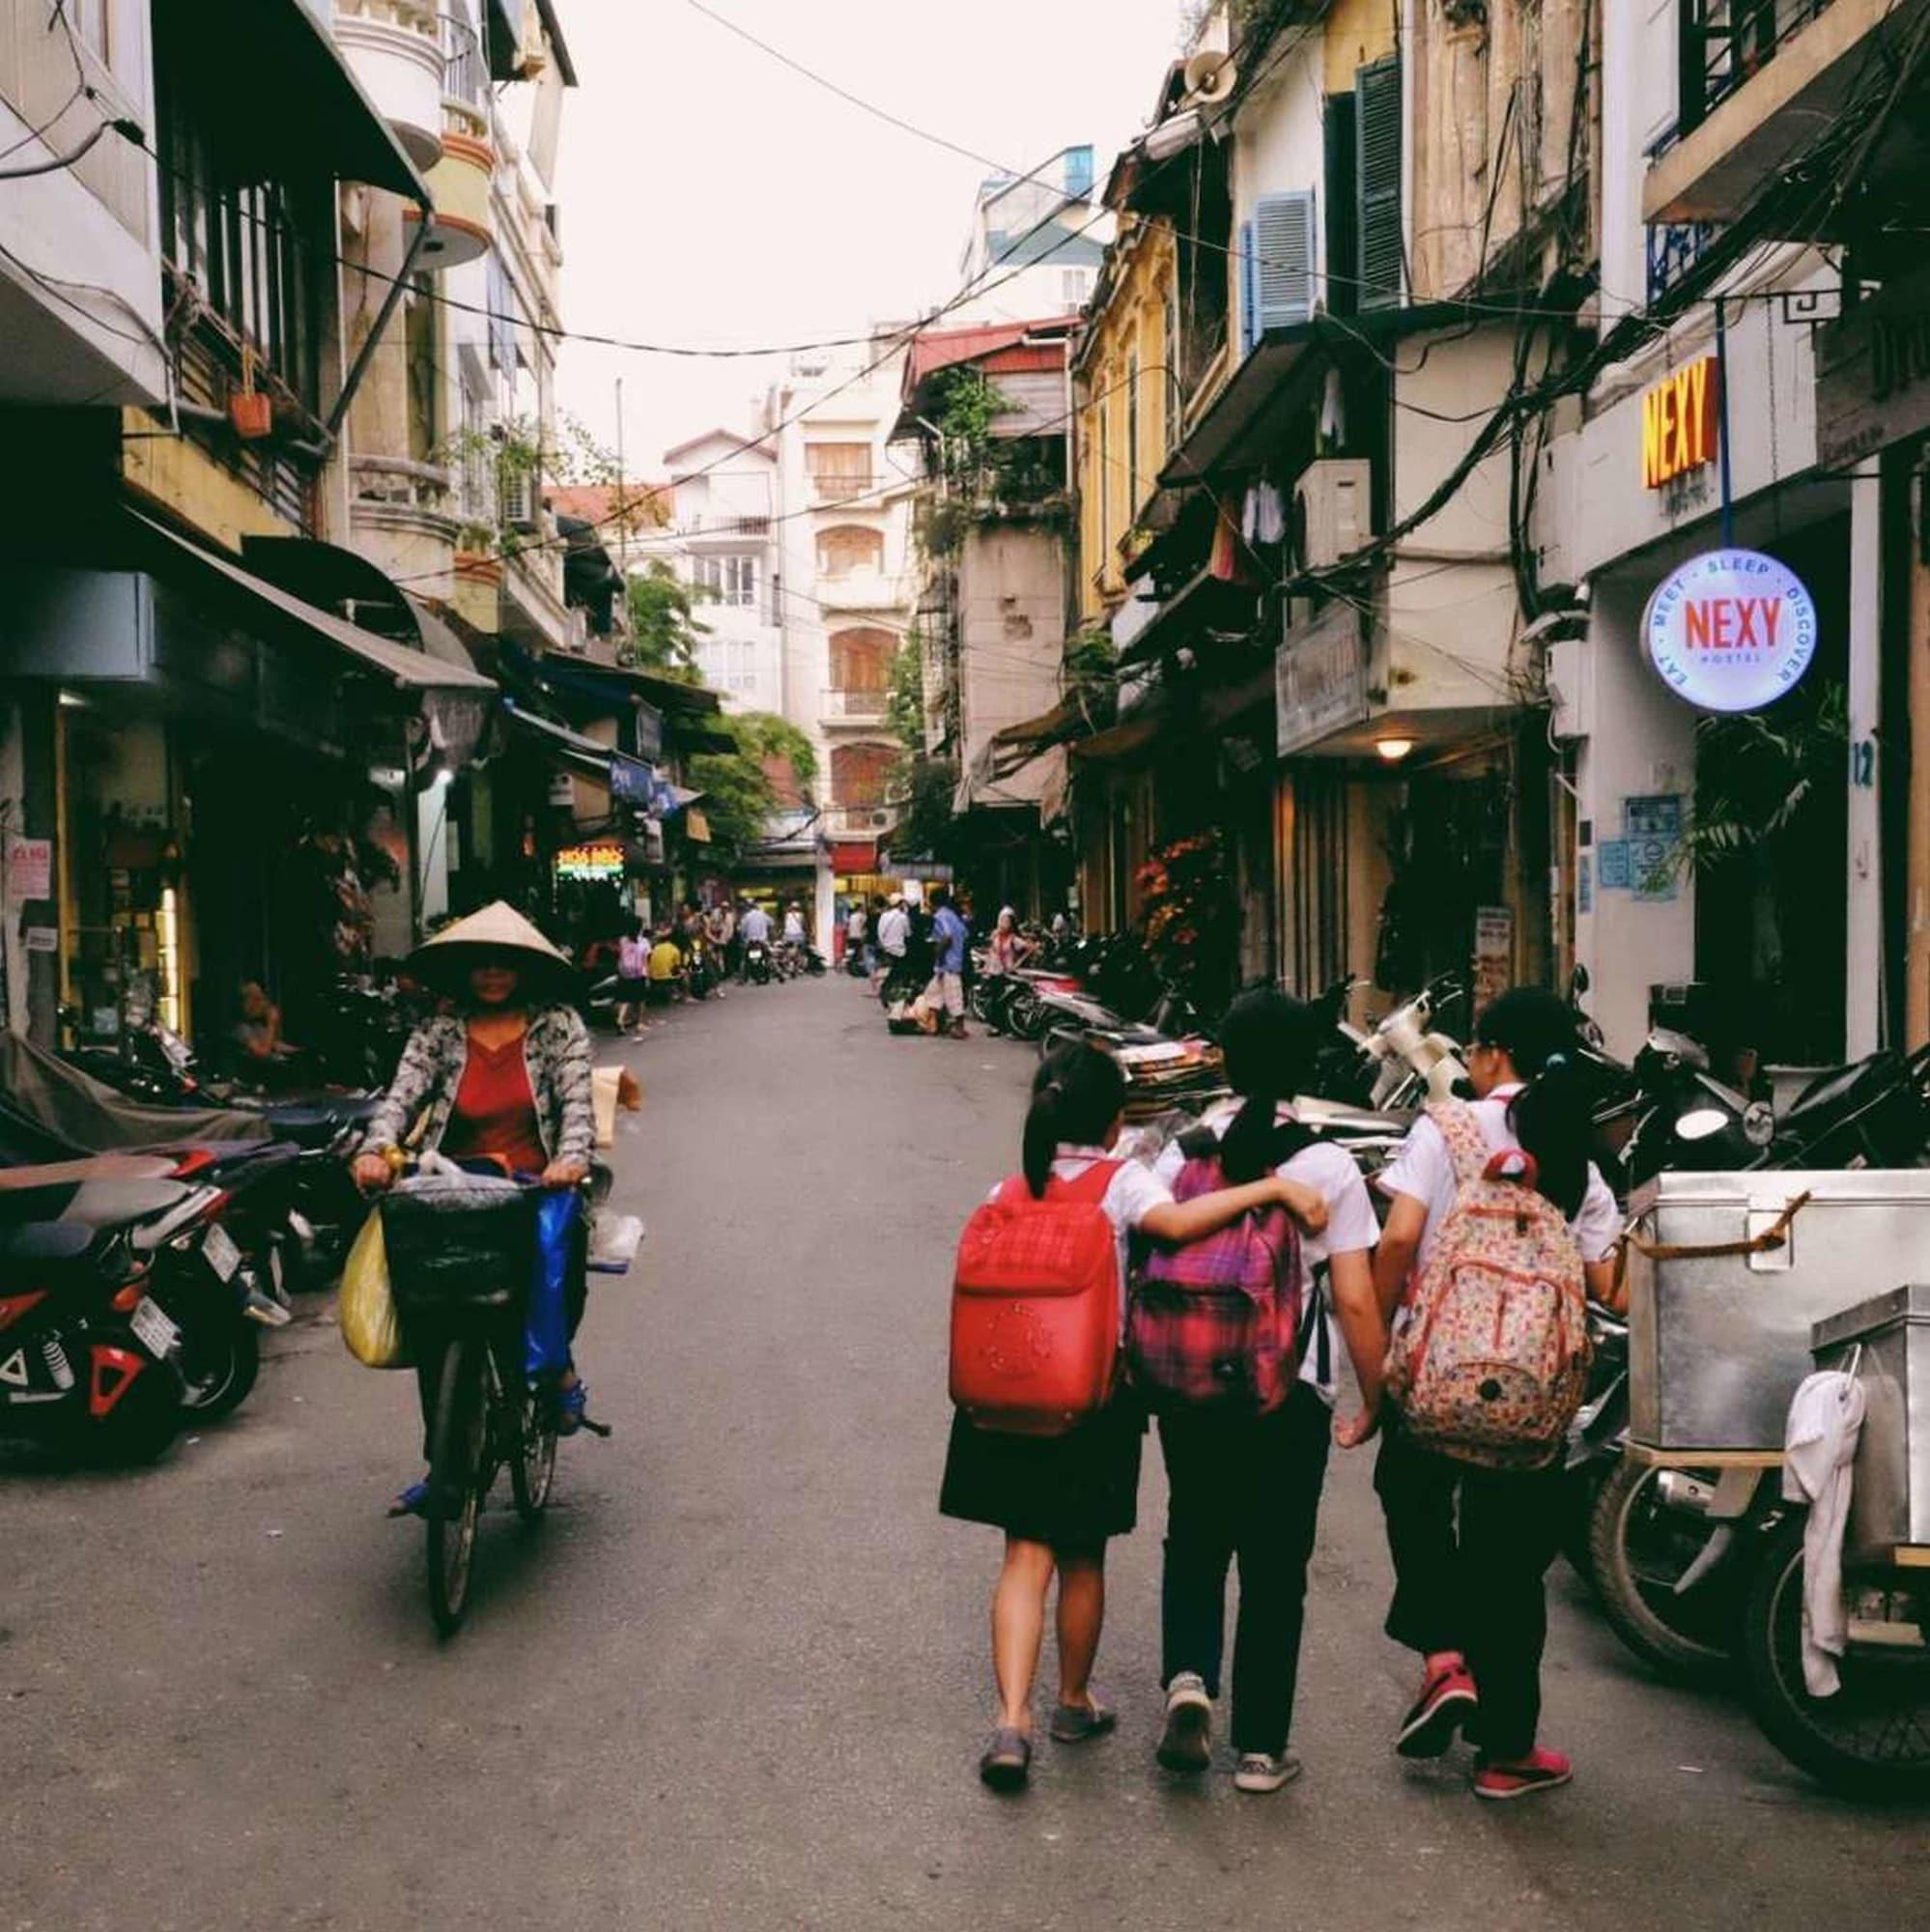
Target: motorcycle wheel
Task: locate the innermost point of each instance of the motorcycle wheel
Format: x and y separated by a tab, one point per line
1870	1740
1639	1548
219	1363
1024	1015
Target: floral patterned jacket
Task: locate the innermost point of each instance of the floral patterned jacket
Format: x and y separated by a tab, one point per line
556	1051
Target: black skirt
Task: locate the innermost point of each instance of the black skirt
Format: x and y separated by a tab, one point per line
1071	1491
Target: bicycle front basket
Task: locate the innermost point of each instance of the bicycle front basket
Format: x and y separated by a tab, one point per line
461	1247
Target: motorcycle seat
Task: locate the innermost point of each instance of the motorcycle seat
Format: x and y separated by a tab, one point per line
98	1205
40	1243
314	1124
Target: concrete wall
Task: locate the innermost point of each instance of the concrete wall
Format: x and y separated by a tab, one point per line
1012	594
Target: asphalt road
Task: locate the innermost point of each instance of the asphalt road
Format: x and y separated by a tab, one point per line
739	1677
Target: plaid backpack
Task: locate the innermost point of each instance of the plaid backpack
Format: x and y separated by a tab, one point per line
1216	1322
1490	1365
1035	1306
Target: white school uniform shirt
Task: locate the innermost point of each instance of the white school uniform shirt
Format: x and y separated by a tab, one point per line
1351	1225
1424	1171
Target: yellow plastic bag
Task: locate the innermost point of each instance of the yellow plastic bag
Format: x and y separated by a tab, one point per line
367	1308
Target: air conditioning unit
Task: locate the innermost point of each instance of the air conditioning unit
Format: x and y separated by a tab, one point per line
518	499
1333	510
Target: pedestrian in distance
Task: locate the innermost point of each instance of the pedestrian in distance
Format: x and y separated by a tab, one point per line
894	938
1007	949
857	923
667	968
945	995
633	975
753	929
1244	1476
1059	1499
1471	1542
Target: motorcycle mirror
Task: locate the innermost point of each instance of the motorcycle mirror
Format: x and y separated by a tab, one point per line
1700	1123
1759	1123
1577	980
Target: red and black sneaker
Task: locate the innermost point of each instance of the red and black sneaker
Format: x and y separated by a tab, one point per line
1448	1699
1521	1777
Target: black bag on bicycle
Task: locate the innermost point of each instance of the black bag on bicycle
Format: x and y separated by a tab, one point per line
465	1245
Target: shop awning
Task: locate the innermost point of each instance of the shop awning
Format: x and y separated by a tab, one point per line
290	92
260	603
1203	604
696	827
571	749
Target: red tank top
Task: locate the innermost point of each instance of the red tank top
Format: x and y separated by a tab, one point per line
494	1111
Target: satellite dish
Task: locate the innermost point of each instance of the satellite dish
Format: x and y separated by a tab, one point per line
1210	78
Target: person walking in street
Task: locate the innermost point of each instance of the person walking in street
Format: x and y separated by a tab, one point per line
505	1079
1245	1485
857	924
1471	1544
1059	1499
945	995
633	975
893	937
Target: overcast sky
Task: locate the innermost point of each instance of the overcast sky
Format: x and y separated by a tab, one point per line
711	196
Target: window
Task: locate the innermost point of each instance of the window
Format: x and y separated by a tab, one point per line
730	580
425	388
850	547
1132	431
861	773
1168	355
1104	408
860	660
1074	286
837	469
1377	94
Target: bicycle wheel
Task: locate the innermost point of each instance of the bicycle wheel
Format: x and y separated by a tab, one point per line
532	1458
455	1478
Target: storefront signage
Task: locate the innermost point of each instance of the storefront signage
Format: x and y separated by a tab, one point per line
1319	679
1731	630
29	869
591	862
1873	374
1678	422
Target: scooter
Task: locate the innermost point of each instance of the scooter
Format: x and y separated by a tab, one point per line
758	966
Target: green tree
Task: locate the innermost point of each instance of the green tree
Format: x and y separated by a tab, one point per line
663	612
739	799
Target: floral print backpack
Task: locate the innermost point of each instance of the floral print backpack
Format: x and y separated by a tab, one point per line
1491	1364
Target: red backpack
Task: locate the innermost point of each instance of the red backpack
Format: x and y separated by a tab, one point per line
1216	1322
1035	1306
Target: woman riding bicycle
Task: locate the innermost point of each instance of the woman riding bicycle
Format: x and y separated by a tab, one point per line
503	1079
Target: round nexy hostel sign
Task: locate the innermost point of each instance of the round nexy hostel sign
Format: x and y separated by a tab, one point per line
1731	630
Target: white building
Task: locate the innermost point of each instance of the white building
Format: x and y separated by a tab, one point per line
1034	245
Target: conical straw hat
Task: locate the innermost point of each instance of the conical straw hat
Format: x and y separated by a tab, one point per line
498	930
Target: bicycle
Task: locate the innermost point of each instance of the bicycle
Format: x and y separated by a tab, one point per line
461	1260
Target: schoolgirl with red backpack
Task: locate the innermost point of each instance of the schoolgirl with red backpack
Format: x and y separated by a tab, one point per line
1046	1438
1499	1230
1231	1342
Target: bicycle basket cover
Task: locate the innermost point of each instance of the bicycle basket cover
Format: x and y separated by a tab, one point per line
462	1241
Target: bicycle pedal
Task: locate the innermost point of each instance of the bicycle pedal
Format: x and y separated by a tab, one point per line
595	1428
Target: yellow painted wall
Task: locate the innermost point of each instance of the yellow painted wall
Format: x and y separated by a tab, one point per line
1133	318
1358	31
176	472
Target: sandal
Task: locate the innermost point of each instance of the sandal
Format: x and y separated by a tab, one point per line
570	1403
411	1501
1076	1724
1007	1760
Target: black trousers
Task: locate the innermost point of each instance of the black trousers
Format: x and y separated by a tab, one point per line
1245	1487
1470	1548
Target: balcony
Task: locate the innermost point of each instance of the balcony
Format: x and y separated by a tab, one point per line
395	48
405	518
460	183
860	590
1759	82
850	708
853	821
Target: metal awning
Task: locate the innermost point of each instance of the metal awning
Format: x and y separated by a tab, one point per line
570	749
1203	603
290	92
260	603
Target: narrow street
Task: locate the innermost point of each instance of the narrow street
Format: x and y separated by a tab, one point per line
738	1678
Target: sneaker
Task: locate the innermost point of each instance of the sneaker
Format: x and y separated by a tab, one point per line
1448	1699
1519	1778
1266	1771
1187	1744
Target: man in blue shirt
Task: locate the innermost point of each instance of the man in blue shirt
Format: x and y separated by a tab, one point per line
945	995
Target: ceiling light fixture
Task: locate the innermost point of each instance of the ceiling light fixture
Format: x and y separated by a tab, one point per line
1393	750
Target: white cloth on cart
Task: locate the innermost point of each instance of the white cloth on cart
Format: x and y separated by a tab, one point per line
1825	1419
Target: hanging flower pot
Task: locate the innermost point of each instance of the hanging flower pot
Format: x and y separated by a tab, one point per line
251	413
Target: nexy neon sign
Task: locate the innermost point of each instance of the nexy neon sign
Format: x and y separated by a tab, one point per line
1679	423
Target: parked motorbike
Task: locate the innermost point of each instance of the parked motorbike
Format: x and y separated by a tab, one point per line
759	966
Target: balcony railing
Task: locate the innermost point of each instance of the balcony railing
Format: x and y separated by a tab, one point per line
841	489
465	87
855	705
1723	43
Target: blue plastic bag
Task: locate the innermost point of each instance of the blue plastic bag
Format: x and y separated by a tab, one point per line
546	1331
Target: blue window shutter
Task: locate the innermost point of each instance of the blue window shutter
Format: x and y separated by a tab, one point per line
1249	291
1377	94
1284	258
